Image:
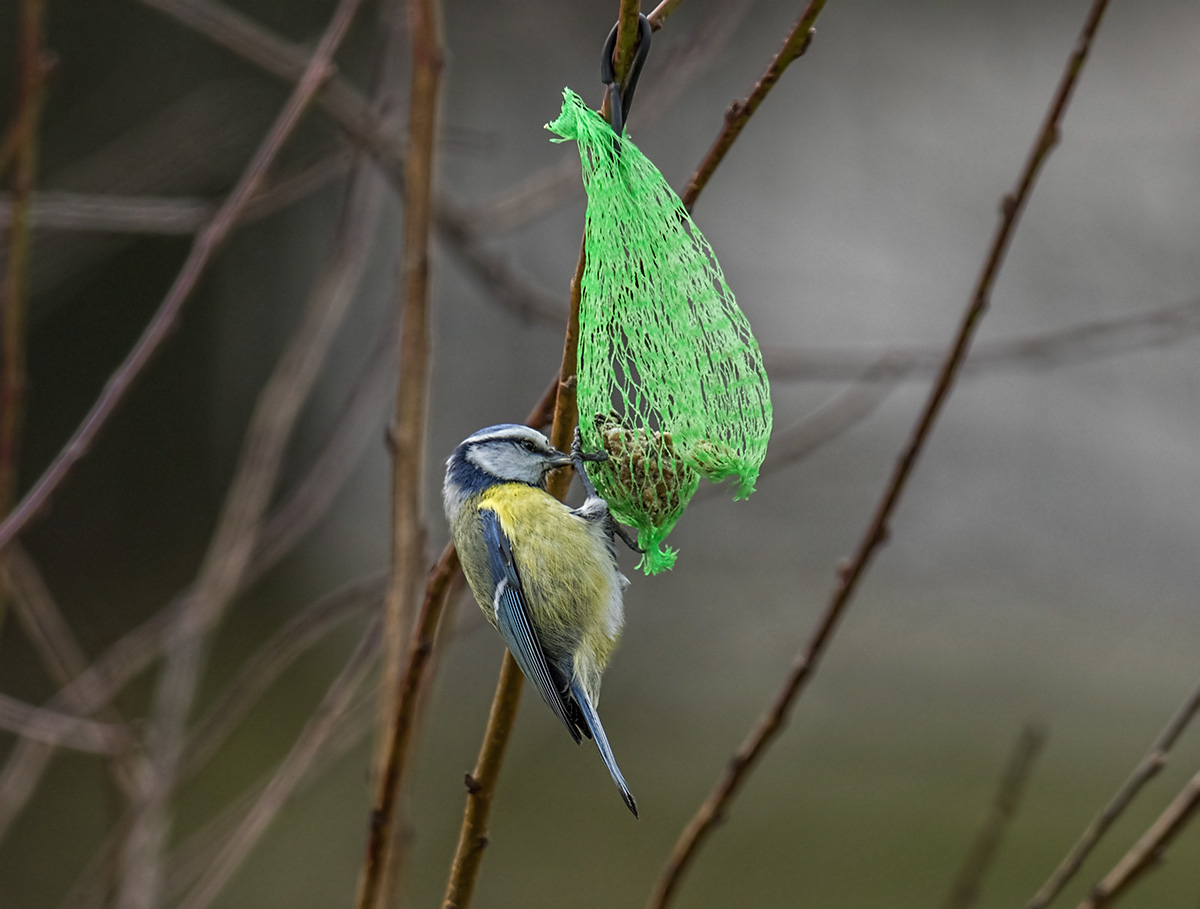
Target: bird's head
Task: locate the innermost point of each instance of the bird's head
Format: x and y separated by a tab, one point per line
507	453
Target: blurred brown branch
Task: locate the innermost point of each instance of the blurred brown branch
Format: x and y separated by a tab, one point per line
849	574
33	65
965	891
291	771
202	252
1147	854
52	728
1159	327
407	435
294	516
366	124
1150	766
57	210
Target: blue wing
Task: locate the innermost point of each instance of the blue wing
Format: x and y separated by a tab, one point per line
516	627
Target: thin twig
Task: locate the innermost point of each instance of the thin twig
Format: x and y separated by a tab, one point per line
357	117
849	575
265	665
1159	327
407	435
291	771
66	211
1147	854
32	67
548	189
205	247
299	509
337	98
1150	766
659	14
965	891
740	112
47	630
61	730
140	882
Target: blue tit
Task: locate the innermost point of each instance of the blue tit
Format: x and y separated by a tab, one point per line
545	575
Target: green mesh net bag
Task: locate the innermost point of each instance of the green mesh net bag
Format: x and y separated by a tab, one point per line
671	381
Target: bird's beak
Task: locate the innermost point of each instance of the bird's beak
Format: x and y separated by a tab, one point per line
558	459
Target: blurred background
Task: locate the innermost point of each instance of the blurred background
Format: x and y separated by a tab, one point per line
1043	564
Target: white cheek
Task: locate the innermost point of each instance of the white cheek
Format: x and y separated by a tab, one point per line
507	463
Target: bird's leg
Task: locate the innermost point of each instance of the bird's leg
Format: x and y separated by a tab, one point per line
589	489
578	458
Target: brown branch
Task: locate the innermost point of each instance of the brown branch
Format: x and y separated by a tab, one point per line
357	118
659	14
47	630
481	782
62	730
205	247
481	787
291	771
265	665
1150	766
548	189
1147	854
408	430
66	211
965	891
140	883
337	98
740	112
299	509
32	68
752	749
191	858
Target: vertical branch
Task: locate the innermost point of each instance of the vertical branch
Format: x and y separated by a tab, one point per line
481	782
32	68
408	432
965	891
851	573
233	542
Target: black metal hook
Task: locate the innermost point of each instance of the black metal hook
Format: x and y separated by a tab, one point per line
621	100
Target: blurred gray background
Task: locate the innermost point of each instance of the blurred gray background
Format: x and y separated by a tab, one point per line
1043	565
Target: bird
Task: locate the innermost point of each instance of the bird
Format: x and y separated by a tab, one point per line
545	575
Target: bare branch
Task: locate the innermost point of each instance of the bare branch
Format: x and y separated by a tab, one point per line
262	669
1147	854
337	98
1150	766
965	891
408	429
56	210
53	728
752	749
204	248
140	880
548	189
295	766
1158	327
740	112
32	67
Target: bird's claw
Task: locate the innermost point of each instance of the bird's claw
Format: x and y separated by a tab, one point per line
578	454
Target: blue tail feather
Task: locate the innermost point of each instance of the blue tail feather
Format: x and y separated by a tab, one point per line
592	720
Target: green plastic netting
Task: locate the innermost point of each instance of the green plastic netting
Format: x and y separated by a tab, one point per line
671	381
